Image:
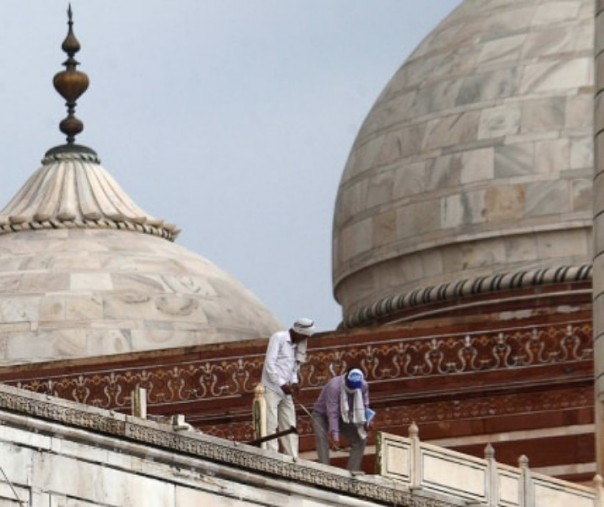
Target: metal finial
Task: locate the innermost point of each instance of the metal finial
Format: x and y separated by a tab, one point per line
70	83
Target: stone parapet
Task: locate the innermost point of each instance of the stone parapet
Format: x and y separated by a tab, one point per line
111	459
481	482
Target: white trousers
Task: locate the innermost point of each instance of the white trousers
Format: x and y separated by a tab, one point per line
281	415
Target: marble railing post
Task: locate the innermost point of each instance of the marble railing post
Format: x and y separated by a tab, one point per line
259	414
526	486
599	502
415	481
492	495
139	402
598	235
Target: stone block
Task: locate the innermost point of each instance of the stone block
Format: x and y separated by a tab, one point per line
579	113
444	171
498	84
550	41
581	152
380	188
90	282
410	182
554	12
582	195
502	50
547	198
552	156
477	165
52	308
521	248
451	130
461	210
84	307
19	308
543	115
514	160
549	76
499	121
384	228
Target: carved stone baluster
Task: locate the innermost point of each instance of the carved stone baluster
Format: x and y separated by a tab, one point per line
416	459
526	485
139	402
259	414
492	496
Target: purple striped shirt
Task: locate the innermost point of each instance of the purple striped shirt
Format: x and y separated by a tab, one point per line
328	402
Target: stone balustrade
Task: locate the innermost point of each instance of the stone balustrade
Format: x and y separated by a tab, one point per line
480	482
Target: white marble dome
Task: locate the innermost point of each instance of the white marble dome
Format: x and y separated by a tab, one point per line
475	162
86	272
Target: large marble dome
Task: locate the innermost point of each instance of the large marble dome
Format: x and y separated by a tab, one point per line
473	170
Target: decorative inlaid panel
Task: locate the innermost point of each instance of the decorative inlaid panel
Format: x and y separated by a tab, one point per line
487	406
216	392
460	353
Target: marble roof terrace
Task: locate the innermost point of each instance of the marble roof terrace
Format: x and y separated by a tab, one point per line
464	381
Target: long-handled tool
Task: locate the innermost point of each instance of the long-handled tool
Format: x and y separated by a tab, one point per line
335	447
266	438
304	408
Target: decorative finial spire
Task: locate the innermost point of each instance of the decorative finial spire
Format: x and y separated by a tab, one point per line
70	83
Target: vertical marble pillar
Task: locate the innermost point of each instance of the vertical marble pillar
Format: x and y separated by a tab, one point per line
139	402
259	414
598	235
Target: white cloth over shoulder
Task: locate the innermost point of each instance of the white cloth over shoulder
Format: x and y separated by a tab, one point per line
356	413
301	351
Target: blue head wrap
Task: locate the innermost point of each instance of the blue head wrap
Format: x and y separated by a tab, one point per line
354	379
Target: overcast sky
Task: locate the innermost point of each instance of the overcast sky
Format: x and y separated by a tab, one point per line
231	119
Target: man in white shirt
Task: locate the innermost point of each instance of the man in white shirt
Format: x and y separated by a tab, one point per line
280	380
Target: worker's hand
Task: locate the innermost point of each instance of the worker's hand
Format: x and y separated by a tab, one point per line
334	441
291	389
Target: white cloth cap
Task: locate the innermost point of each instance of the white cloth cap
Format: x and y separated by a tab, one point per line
304	326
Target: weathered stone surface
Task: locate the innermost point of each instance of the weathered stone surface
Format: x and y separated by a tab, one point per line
103	292
490	122
109	459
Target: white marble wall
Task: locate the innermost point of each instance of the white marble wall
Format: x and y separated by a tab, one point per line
53	471
482	139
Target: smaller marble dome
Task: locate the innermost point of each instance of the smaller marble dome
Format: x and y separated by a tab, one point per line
85	272
475	161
